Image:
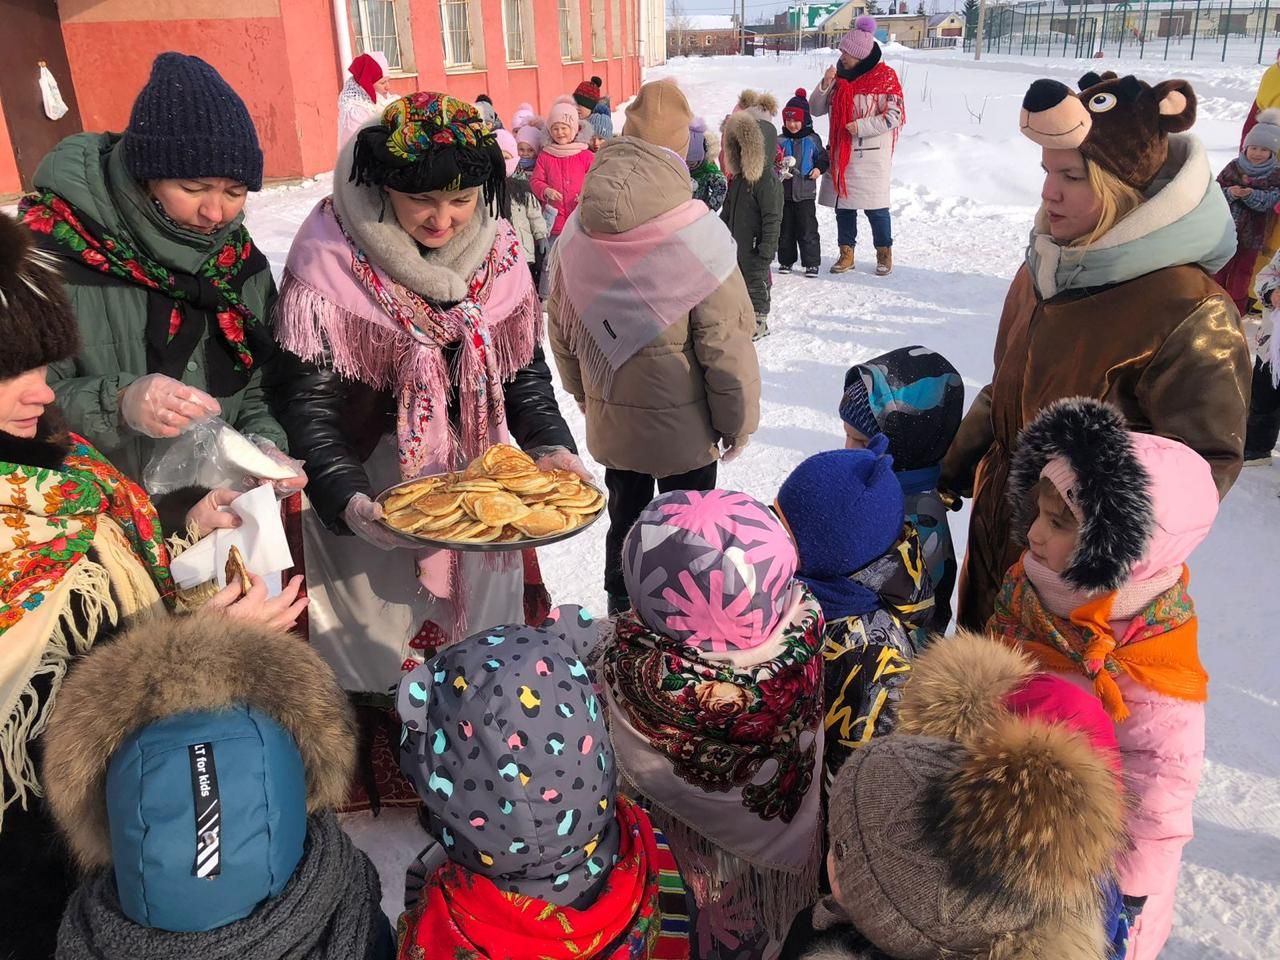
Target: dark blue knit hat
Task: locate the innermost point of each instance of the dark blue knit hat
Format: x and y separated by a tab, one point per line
187	122
844	509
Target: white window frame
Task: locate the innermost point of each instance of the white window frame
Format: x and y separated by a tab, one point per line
599	32
615	35
570	12
453	56
522	32
401	60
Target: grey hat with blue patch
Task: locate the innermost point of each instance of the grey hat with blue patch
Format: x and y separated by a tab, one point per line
505	740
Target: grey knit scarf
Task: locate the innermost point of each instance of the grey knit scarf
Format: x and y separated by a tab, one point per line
330	910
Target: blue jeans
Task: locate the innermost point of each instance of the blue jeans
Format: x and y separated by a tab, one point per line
847	227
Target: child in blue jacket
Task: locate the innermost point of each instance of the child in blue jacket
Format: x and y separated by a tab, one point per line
804	161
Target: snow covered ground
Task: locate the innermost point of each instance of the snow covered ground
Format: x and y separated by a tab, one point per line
965	187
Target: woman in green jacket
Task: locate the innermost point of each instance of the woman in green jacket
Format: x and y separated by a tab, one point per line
172	297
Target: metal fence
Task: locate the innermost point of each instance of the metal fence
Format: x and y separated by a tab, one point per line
1162	30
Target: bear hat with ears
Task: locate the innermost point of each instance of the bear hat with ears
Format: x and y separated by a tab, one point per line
1120	123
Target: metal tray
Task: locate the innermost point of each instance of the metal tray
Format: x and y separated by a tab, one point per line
414	540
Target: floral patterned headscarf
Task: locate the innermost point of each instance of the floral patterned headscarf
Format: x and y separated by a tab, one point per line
709	569
431	141
724	744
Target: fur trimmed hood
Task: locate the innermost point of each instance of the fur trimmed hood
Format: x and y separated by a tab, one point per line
172	665
1111	495
747	146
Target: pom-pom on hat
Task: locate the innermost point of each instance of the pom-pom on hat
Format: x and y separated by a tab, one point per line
861	40
188	122
587	93
523	115
430	141
709	569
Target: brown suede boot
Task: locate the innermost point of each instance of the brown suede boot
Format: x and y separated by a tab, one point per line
884	261
845	263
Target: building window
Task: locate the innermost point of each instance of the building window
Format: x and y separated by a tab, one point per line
570	31
376	28
616	14
599	40
516	20
707	42
456	28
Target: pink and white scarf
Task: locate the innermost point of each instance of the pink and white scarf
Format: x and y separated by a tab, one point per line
624	289
338	307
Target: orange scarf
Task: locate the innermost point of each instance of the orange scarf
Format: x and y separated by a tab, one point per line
1158	649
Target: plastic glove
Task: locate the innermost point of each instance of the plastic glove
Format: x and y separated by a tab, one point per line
558	458
208	513
281	611
161	407
731	448
283	487
361	517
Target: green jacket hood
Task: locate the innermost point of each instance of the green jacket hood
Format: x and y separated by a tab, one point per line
1185	220
87	170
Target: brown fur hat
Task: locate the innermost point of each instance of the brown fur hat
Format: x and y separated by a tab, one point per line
993	847
171	665
958	685
1120	123
37	325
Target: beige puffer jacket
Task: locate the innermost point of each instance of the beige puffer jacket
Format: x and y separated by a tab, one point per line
699	380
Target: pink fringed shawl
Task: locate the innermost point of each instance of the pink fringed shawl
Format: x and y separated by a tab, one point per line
337	307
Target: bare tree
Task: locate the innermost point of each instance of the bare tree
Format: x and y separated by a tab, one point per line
678	21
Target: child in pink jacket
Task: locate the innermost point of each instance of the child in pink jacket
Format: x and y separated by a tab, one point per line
1100	596
563	164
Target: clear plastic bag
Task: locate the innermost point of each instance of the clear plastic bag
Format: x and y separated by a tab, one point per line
211	454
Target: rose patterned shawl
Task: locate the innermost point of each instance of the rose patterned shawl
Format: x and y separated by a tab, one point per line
53	596
727	748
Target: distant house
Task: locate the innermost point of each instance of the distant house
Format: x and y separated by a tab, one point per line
905	28
946	25
705	35
835	25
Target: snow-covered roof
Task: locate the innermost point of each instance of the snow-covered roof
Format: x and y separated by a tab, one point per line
938	18
703	21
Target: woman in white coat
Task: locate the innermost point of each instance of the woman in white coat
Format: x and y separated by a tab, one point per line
863	96
364	95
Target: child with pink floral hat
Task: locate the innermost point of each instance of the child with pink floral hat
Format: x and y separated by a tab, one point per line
714	687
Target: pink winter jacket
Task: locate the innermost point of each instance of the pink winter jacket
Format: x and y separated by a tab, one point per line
565	175
1162	741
